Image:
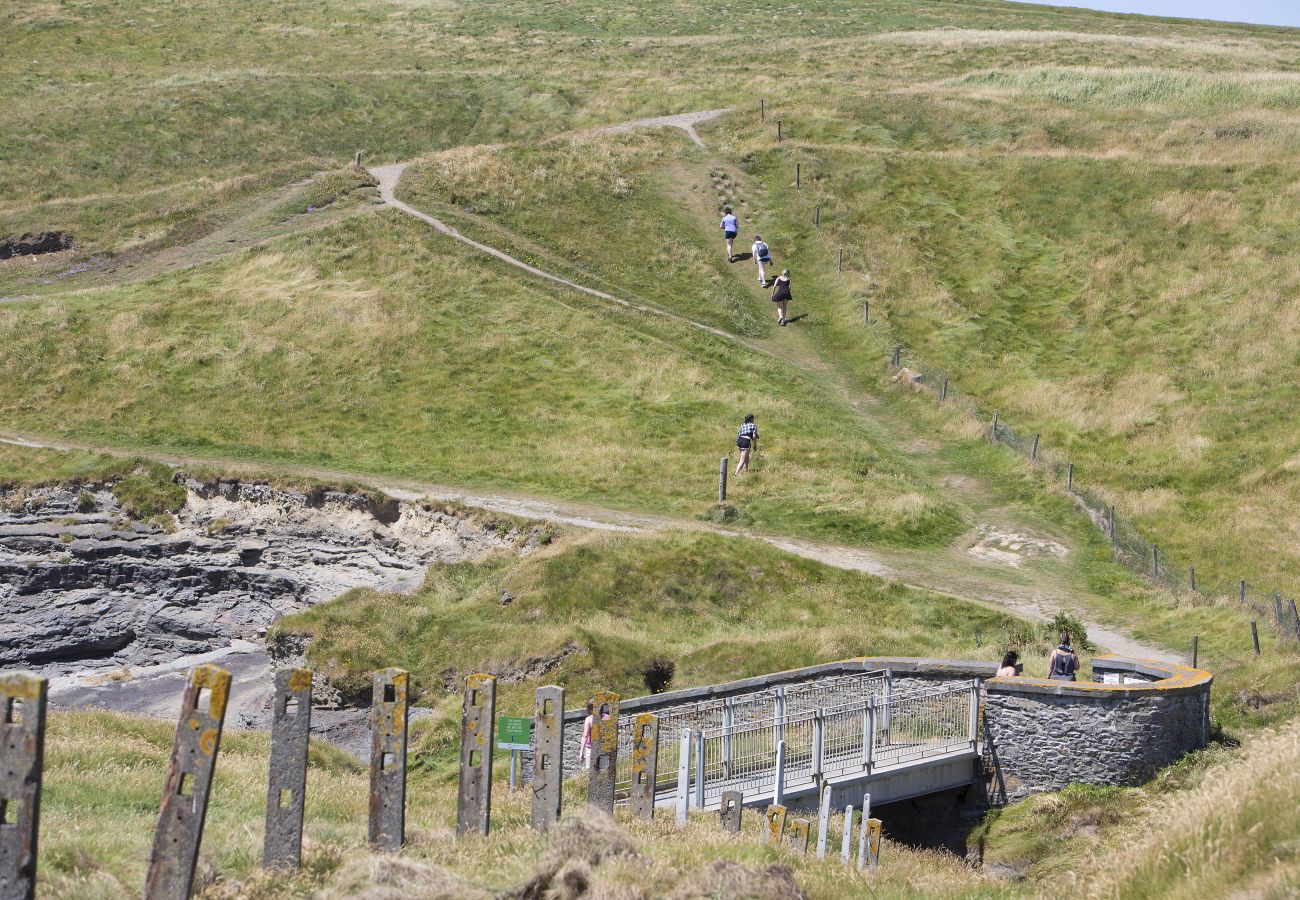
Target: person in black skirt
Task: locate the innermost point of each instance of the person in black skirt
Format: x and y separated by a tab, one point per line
781	294
745	442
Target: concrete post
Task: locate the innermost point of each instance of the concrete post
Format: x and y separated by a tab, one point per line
846	840
778	790
823	821
872	830
684	776
862	831
645	765
799	834
604	751
775	824
388	709
22	757
189	780
548	756
286	787
477	727
729	811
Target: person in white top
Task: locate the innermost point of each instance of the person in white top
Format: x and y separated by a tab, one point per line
762	256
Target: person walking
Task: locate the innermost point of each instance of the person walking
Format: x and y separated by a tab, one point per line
584	748
781	295
762	256
1063	662
730	227
745	441
1008	667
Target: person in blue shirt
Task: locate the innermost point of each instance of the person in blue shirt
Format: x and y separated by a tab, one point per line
730	227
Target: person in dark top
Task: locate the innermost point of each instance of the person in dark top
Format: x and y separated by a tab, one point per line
745	442
781	294
1063	662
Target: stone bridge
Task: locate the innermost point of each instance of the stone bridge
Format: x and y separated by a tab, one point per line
905	727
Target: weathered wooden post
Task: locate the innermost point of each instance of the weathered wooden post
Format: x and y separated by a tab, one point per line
722	479
796	174
477	723
993	432
1069	477
189	781
548	756
389	704
604	751
1277	611
286	785
778	131
839	267
823	820
1114	538
846	840
1191	577
1155	562
22	758
729	811
762	110
356	160
645	765
1295	619
775	824
866	312
1196	650
1254	635
817	217
943	392
1033	454
1241	592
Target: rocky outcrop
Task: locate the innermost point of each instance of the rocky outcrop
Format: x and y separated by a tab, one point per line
91	590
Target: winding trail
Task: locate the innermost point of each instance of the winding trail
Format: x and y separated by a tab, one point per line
895	566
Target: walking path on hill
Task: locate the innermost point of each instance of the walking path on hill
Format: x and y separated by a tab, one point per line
976	586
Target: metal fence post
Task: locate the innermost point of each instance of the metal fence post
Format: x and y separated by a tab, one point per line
699	769
778	730
729	810
477	724
722	480
684	776
886	709
823	821
189	781
728	722
604	751
778	790
22	758
974	712
548	756
645	765
868	734
286	786
819	733
846	840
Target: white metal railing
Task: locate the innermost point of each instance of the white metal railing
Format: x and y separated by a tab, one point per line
811	745
768	706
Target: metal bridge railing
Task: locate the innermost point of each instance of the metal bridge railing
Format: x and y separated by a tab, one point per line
764	706
810	745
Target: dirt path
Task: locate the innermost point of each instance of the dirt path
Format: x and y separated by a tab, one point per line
983	584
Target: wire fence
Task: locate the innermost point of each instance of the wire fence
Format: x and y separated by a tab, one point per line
1130	547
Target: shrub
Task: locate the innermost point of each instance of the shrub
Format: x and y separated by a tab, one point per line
657	674
149	491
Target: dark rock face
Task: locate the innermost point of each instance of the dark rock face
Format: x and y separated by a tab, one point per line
94	592
35	244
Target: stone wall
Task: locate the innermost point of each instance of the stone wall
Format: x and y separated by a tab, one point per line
1041	735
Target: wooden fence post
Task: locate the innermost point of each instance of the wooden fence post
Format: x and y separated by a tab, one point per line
817	217
762	110
179	833
1155	562
797	172
778	131
22	758
286	784
993	432
1191	577
722	479
388	713
839	267
1033	454
1254	635
1196	650
866	312
1295	619
943	392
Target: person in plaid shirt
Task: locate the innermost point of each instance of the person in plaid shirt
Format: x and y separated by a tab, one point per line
746	440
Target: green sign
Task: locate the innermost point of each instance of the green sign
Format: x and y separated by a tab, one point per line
514	733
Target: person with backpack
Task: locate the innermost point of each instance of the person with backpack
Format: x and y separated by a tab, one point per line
746	440
762	256
781	295
730	227
1063	662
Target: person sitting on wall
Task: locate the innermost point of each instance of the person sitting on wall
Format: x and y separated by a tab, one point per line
1008	668
1063	662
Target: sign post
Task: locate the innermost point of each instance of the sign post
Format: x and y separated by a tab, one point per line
514	733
